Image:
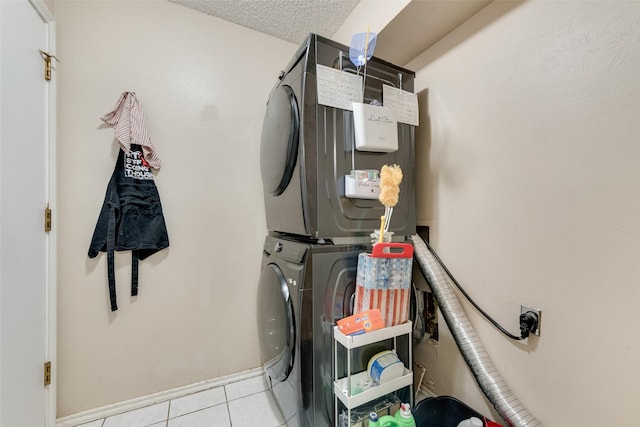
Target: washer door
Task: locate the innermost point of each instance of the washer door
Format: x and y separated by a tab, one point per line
276	324
279	142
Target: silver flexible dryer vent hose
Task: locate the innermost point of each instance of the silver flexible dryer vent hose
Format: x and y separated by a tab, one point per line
473	352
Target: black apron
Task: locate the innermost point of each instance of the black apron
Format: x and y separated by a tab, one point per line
131	218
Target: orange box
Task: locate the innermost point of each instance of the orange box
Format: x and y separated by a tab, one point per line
359	323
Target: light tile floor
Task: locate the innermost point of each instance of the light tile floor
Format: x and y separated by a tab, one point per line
245	403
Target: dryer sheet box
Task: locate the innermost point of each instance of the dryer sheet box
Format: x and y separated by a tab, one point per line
359	323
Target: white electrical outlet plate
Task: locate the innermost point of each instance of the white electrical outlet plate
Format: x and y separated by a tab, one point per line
525	308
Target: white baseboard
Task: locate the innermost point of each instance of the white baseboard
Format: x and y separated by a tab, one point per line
163	396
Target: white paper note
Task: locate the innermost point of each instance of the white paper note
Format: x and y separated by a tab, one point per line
404	103
338	89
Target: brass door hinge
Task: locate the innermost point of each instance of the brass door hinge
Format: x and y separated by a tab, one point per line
47	373
47	63
47	219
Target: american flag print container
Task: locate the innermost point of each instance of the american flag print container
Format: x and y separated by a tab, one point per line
383	281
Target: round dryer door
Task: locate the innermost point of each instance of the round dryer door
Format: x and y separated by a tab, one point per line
279	142
276	326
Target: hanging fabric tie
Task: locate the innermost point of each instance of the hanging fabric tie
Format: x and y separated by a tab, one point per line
131	218
127	118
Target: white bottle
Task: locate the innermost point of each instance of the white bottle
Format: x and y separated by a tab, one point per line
471	422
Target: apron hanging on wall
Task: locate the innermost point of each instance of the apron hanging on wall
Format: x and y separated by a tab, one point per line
131	218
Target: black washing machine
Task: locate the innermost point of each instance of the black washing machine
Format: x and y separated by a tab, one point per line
303	289
308	148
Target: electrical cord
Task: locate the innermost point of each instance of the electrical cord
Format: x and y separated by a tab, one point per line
527	320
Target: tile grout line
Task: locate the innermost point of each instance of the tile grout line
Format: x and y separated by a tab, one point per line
226	402
195	410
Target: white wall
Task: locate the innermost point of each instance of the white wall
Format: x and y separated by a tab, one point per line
529	178
203	84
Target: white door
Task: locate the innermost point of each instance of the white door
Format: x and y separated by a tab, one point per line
25	276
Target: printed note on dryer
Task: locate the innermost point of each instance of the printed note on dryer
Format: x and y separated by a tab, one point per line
404	103
338	89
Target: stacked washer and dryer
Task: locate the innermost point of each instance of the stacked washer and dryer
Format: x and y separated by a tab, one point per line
308	273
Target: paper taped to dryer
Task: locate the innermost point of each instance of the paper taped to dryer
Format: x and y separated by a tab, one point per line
337	88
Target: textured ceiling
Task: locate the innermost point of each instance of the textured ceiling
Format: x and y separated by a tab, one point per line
290	20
